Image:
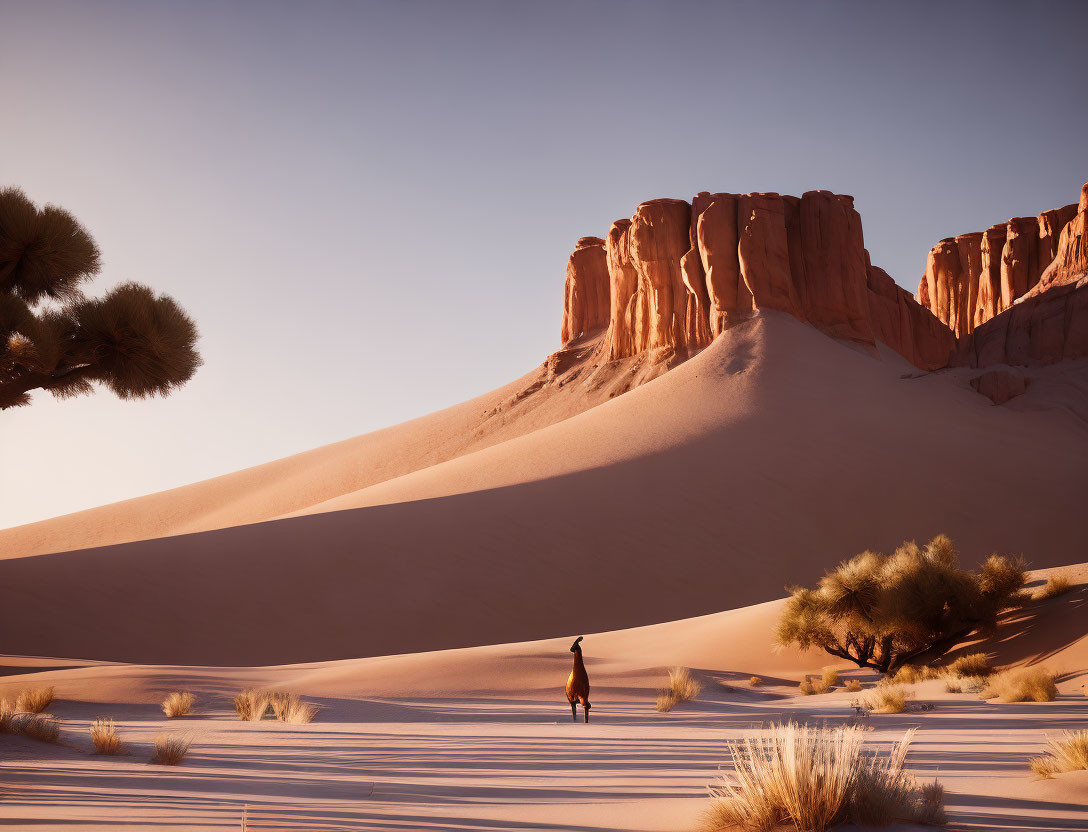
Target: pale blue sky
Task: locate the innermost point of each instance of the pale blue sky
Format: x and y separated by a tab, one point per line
368	207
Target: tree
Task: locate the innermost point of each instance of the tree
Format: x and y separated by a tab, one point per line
53	337
883	611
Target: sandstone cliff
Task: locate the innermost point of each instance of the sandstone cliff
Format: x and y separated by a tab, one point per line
677	274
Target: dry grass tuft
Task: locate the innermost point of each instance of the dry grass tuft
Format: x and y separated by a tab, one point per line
171	750
755	681
965	684
1024	684
909	674
683	687
40	727
812	685
971	664
288	707
105	737
7	717
178	704
930	809
815	778
35	700
852	685
887	699
1069	752
251	705
1058	585
830	678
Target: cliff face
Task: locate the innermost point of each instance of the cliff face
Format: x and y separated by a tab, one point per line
1048	321
971	278
678	274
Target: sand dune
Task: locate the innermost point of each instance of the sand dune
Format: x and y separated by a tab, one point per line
760	462
481	738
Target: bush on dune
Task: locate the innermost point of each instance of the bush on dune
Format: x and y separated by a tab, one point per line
288	707
683	687
884	611
1058	585
170	750
965	684
755	681
35	700
971	664
887	698
909	674
250	705
7	717
178	704
1022	684
105	737
40	727
817	778
1068	752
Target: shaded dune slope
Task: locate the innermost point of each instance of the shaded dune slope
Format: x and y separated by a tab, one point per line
760	462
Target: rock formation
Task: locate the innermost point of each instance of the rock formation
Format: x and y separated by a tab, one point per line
678	274
1048	320
971	278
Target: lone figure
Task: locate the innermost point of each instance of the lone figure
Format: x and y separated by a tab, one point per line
578	683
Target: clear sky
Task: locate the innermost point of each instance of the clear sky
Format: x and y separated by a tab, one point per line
368	207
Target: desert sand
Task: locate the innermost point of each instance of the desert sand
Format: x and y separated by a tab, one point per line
768	457
481	738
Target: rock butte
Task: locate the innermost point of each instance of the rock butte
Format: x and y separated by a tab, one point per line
663	284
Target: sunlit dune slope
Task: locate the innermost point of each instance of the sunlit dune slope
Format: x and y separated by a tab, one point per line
760	462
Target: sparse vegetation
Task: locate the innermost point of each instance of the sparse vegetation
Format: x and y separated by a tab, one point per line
886	698
40	727
805	687
964	684
910	674
250	705
817	778
288	707
7	717
1023	684
105	737
1068	752
971	664
178	704
755	681
830	677
35	700
1058	585
683	687
852	685
883	611
170	750
812	685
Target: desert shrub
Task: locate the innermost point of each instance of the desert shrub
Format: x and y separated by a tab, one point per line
105	737
909	674
882	611
815	778
1058	585
683	687
1068	752
7	717
830	677
35	700
886	699
288	707
852	685
964	684
1023	684
755	681
171	750
930	809
806	687
971	664
250	705
40	727
178	704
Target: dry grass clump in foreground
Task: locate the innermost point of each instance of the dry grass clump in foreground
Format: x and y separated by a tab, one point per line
971	664
178	703
817	778
288	707
7	717
852	685
1023	684
35	700
886	699
40	727
1069	752
170	750
251	705
755	681
683	687
965	684
1058	585
908	674
812	685
830	677
105	737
